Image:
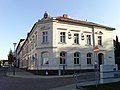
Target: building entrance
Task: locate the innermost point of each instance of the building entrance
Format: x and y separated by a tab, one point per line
100	58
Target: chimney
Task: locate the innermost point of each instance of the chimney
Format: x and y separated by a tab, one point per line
65	15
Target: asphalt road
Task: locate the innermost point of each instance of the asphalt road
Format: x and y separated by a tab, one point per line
13	83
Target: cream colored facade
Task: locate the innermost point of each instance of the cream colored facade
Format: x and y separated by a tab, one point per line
18	52
55	43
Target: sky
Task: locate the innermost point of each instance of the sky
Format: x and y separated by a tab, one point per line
17	17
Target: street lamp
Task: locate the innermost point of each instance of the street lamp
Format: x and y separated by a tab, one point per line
63	58
96	67
14	59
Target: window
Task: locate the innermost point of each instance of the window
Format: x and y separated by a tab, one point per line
76	38
35	40
62	37
45	58
35	57
62	57
45	37
99	40
33	60
88	39
33	43
89	58
76	58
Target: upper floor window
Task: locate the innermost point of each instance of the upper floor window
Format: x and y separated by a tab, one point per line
76	38
76	58
45	37
99	40
33	43
89	58
62	37
88	39
35	40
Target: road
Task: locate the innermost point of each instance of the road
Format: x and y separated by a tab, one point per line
15	83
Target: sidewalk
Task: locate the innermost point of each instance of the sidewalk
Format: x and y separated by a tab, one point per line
73	86
23	74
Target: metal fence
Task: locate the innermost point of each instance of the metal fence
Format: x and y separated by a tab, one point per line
95	78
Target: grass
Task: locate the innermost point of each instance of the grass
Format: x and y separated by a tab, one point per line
111	86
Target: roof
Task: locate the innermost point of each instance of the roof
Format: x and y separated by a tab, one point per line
67	19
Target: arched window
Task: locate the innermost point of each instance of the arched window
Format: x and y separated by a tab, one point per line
45	58
62	57
76	58
89	58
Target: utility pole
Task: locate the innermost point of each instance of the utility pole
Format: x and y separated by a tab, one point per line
14	59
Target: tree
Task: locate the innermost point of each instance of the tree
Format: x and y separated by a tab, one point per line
117	47
117	51
10	58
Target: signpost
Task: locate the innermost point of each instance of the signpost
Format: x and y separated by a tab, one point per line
62	57
96	50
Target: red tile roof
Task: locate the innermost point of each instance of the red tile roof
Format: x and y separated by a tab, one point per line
60	18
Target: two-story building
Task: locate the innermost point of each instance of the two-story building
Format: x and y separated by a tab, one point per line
18	52
62	43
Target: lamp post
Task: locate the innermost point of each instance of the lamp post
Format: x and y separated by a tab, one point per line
63	58
95	50
14	59
96	65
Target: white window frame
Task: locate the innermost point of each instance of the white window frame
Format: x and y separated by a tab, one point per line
76	58
62	36
35	40
88	39
89	58
45	58
63	57
76	38
45	37
99	40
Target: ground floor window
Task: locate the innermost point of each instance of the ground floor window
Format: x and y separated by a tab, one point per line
62	57
76	58
45	58
89	58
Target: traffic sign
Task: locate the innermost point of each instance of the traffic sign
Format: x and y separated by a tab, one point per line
96	49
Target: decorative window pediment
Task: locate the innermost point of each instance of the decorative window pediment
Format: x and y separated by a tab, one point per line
99	32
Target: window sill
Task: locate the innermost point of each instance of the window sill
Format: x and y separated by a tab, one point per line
75	44
62	64
61	42
44	42
87	45
77	65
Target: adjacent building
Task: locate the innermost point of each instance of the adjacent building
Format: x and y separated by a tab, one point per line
62	43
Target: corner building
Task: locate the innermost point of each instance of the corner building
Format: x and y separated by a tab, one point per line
62	43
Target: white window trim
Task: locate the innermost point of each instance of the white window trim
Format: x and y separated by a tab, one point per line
47	40
59	35
90	40
77	57
78	39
